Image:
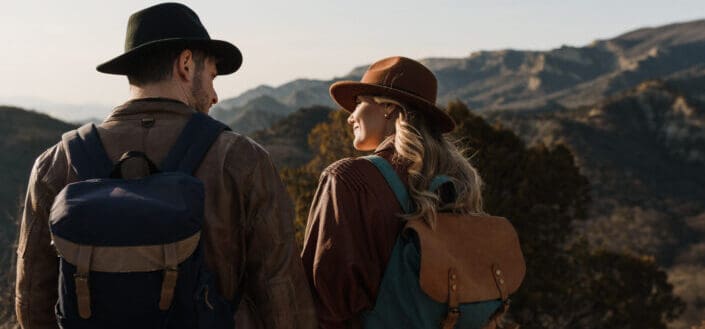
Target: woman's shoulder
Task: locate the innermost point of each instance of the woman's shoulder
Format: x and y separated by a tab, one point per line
348	166
356	173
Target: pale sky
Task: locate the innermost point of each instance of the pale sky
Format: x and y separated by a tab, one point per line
50	48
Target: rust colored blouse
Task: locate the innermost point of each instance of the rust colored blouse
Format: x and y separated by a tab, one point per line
352	227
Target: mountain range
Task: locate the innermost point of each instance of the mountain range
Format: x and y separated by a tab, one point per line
512	79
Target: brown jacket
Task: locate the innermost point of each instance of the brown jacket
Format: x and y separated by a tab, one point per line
248	233
351	230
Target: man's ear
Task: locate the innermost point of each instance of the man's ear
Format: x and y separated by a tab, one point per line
184	67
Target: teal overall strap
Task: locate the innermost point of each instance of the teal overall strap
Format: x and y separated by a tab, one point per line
395	183
438	181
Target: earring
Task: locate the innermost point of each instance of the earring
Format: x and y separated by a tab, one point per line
388	116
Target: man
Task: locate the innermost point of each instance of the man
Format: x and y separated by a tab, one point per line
170	62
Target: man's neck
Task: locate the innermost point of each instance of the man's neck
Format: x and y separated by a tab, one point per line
159	90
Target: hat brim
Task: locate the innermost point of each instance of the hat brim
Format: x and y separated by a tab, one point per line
345	94
229	58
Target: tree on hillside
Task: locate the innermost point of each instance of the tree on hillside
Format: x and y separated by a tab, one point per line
543	193
8	257
331	141
301	184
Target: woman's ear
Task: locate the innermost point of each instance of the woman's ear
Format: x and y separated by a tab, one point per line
391	111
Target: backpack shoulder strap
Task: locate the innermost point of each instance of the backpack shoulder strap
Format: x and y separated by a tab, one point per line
438	181
395	183
86	153
193	143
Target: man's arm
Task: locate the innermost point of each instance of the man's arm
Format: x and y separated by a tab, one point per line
37	263
275	278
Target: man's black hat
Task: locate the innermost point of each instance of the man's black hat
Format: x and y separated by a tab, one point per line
170	25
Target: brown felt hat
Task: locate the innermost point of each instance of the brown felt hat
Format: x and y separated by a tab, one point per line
170	25
401	79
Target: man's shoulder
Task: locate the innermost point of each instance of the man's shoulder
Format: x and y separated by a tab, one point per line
50	164
242	145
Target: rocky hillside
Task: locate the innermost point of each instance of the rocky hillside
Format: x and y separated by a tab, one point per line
261	107
287	140
643	151
649	140
257	114
524	80
23	136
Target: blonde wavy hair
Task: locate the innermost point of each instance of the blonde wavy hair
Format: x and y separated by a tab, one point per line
430	154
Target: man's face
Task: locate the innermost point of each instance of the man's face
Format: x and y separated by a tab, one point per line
202	92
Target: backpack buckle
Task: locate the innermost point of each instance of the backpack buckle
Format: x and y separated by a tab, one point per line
453	307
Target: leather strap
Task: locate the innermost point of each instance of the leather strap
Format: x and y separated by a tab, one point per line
453	309
498	276
117	171
171	274
497	321
83	293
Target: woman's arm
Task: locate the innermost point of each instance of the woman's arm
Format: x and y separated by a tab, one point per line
349	235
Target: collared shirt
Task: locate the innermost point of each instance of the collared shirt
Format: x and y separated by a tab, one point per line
351	230
248	230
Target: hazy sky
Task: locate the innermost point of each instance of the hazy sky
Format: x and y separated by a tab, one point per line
50	48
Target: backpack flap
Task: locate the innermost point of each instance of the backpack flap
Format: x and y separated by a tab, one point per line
154	210
121	259
471	258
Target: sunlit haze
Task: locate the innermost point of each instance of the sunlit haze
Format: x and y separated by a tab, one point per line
50	49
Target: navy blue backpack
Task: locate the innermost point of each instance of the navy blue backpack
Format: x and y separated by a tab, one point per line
457	276
130	249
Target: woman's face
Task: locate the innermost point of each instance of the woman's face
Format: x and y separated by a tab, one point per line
368	124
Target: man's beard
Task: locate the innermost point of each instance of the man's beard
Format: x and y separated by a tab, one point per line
201	100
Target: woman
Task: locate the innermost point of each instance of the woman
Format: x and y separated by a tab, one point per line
355	218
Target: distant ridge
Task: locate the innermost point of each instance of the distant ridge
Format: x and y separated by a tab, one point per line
531	80
23	136
258	113
61	111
